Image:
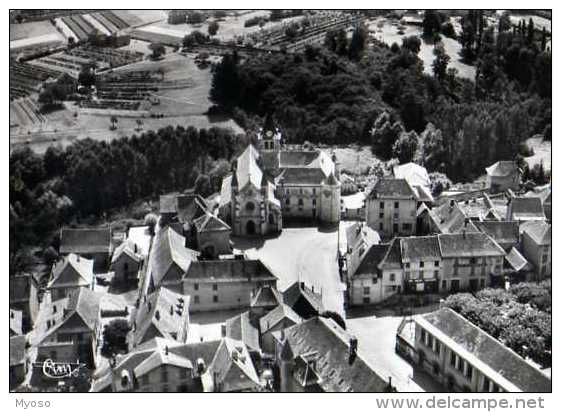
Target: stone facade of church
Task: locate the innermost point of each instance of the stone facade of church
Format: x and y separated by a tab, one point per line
272	183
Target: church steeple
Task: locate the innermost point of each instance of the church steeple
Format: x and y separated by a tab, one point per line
269	128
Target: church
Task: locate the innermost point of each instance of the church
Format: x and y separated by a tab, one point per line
272	183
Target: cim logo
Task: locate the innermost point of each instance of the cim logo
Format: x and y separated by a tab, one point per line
59	370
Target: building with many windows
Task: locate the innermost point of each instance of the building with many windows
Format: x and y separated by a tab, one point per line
536	247
465	358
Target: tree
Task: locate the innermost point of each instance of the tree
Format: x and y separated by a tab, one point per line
139	124
384	134
86	77
411	43
158	50
431	23
530	38
338	319
213	27
195	17
225	86
151	220
203	186
114	121
358	43
440	62
115	338
405	147
292	30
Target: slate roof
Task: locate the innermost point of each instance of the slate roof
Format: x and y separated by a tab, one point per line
127	248
371	259
517	262
16	317
392	258
450	219
240	328
266	296
539	231
413	248
501	231
522	208
81	267
230	269
210	223
502	168
415	174
82	302
295	291
247	169
85	241
468	245
232	367
226	191
272	318
169	249
393	189
331	344
156	312
17	350
485	353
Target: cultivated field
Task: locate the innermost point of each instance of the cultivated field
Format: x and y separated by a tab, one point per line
34	34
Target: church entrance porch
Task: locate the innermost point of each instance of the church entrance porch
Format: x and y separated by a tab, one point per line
250	227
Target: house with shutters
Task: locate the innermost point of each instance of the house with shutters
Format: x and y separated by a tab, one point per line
69	274
67	329
391	208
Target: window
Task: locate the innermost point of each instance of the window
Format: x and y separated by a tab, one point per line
314	191
436	263
436	273
453	359
437	346
469	371
460	364
300	203
381	205
381	226
381	215
486	384
429	341
482	283
250	206
197	299
407	227
314	202
366	300
392	277
407	265
421	274
421	264
196	286
215	286
444	284
215	298
366	290
396	205
287	201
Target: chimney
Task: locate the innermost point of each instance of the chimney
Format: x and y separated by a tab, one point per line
11	314
466	221
302	285
54	309
166	350
135	248
171	310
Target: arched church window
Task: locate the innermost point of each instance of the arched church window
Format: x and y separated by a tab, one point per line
250	206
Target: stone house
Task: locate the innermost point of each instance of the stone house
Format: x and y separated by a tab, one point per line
536	247
69	274
126	262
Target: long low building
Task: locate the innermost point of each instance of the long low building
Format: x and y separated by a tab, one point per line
465	358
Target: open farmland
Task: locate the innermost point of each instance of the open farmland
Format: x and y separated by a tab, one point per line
34	34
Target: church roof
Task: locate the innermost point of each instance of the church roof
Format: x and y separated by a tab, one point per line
248	170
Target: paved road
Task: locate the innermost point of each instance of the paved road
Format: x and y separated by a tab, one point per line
376	343
302	254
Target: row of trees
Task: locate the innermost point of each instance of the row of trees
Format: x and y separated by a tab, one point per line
93	177
520	318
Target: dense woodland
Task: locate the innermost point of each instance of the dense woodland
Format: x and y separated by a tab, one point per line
347	92
90	178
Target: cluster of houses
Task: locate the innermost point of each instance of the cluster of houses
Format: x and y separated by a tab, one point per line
404	242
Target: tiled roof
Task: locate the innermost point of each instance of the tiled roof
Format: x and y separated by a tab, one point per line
371	259
165	311
85	241
485	353
252	270
502	168
539	231
517	261
468	245
247	169
17	350
16	317
301	176
233	368
415	174
501	231
209	223
169	249
72	270
416	247
331	344
272	318
82	302
240	328
392	258
128	248
266	296
296	291
393	189
526	207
